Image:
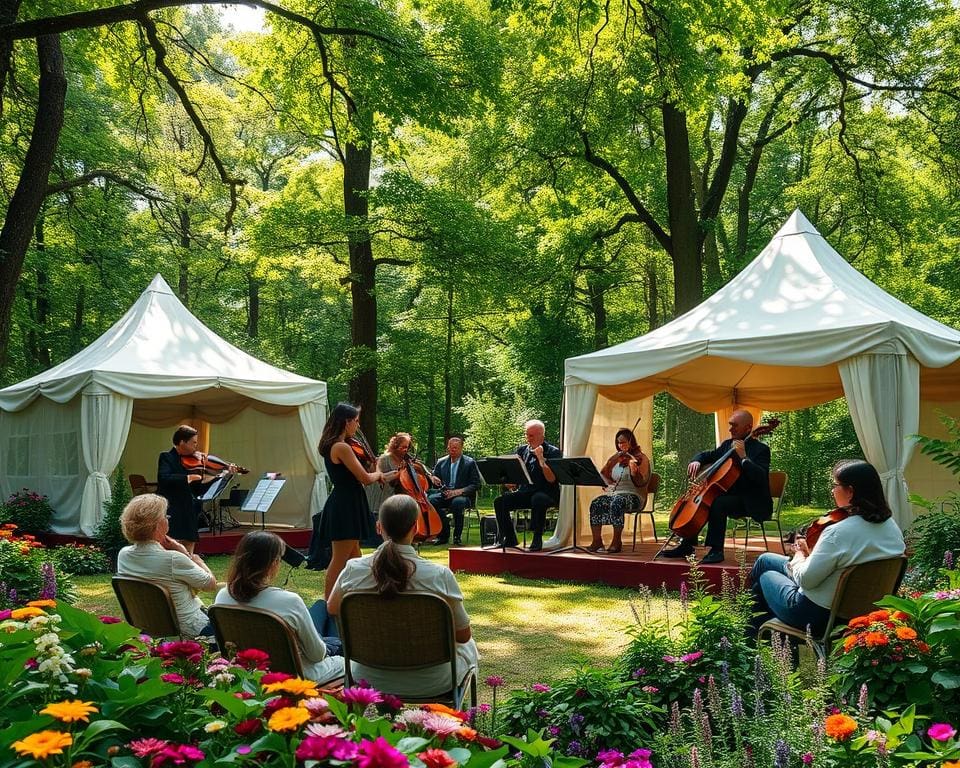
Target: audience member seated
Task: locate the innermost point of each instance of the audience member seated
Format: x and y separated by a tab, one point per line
153	555
396	567
255	564
800	591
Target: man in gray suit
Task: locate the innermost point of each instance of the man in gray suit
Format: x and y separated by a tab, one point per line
459	480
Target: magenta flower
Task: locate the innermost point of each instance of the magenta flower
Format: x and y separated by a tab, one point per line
4	615
176	754
494	681
391	702
671	659
325	748
379	754
941	732
109	619
243	749
807	758
540	687
172	677
362	697
610	757
145	747
689	658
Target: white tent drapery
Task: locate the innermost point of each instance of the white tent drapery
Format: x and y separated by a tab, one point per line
797	327
156	367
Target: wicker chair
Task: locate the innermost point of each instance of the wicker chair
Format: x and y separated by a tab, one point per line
409	632
147	605
240	627
860	586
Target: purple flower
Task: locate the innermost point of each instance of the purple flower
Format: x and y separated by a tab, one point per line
575	748
326	747
948	559
671	659
736	705
638	673
484	709
49	590
379	754
554	730
243	749
494	681
806	758
576	720
362	697
540	687
689	658
781	751
610	756
543	714
941	732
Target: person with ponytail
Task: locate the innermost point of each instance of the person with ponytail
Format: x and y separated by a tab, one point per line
799	591
253	568
396	567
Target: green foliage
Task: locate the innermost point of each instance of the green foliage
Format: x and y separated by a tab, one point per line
933	538
28	572
27	510
81	559
109	535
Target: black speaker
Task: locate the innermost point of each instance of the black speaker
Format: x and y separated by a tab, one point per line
291	557
488	530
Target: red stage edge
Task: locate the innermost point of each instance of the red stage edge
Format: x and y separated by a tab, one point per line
210	543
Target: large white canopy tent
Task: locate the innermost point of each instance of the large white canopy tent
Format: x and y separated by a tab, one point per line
797	327
64	431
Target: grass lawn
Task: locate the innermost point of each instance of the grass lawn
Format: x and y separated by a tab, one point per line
526	630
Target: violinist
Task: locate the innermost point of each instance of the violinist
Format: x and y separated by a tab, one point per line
345	518
748	497
181	486
627	471
800	591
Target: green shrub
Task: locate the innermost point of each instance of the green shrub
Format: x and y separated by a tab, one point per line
81	559
109	536
28	572
931	536
28	510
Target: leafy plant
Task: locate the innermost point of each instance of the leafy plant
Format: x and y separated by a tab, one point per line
933	540
27	571
28	510
109	535
81	559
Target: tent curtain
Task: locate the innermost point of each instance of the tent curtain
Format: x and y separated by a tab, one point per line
579	404
104	426
883	393
312	418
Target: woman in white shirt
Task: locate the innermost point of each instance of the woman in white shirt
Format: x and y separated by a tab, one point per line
153	555
396	567
627	473
255	564
799	591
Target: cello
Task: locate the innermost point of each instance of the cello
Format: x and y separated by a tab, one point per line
414	480
692	509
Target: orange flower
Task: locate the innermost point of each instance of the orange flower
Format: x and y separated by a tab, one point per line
849	641
43	744
295	686
873	639
900	615
951	764
70	711
859	622
26	613
840	727
444	709
467	734
288	719
906	633
880	615
82	764
42	603
922	646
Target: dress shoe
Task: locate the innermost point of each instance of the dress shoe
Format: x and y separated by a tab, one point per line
457	542
684	550
535	546
508	542
614	550
595	548
713	556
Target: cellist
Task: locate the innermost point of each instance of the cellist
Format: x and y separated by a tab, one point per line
748	497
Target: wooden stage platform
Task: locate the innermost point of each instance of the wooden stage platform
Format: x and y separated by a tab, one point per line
624	569
215	543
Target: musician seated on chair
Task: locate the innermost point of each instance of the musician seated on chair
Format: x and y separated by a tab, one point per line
627	472
253	568
537	496
153	555
800	591
459	480
748	497
396	567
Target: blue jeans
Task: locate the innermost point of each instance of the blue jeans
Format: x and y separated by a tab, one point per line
327	627
776	594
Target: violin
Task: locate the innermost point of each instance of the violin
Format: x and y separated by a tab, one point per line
818	526
624	457
414	480
206	463
359	445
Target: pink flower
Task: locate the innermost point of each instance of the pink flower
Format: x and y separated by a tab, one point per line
316	729
392	702
941	732
379	754
252	658
109	619
274	677
441	724
327	747
316	706
4	615
362	697
689	658
145	747
650	689
671	659
180	649
172	677
540	687
807	758
494	681
176	754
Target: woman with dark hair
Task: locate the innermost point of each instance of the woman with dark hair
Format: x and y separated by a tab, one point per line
627	471
396	567
255	564
799	591
345	518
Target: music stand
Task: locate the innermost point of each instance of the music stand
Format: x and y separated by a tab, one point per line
212	493
503	470
575	471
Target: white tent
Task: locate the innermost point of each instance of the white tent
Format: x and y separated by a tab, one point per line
798	326
64	431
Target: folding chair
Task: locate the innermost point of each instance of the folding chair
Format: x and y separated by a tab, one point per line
860	586
147	605
139	485
405	633
653	485
240	627
778	487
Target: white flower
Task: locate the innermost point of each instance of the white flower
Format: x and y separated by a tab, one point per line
222	677
83	672
214	725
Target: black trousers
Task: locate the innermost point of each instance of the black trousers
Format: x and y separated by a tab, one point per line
458	505
723	508
536	501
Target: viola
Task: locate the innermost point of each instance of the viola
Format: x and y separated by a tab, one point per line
817	527
359	445
205	463
414	480
692	509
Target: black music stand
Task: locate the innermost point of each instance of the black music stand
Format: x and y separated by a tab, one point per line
575	471
212	494
503	470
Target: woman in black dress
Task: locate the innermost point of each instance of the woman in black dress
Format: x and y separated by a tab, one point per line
345	519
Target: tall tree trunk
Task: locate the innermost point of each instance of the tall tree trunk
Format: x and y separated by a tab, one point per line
447	365
32	186
253	306
43	299
601	338
183	276
76	329
431	447
653	295
363	330
684	226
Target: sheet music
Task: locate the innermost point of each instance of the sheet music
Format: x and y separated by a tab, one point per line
262	496
523	465
216	487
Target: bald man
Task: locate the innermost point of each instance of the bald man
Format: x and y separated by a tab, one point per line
748	497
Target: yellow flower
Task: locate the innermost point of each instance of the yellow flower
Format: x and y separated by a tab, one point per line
214	725
43	603
288	719
26	613
295	686
43	744
70	711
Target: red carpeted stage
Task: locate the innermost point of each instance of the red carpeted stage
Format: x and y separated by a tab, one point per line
624	569
214	543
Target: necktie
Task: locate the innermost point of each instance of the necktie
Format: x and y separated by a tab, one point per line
453	473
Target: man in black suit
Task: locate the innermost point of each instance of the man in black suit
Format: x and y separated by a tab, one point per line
174	483
459	478
748	497
537	496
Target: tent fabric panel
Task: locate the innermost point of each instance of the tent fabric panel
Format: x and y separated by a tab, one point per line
924	476
104	426
579	403
312	418
940	384
214	406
